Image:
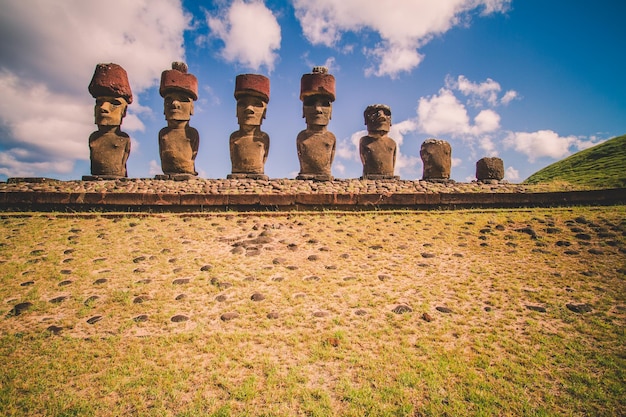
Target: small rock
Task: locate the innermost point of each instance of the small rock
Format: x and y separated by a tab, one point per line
220	298
312	278
27	283
384	277
64	283
229	316
94	319
179	318
313	258
320	314
272	315
571	252
428	255
180	297
539	309
583	236
139	259
257	297
140	318
100	281
205	268
59	299
278	261
20	308
579	308
360	312
90	300
427	317
401	309
595	251
140	299
444	310
55	330
180	281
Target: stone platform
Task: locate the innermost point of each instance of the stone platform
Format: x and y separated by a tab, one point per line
198	194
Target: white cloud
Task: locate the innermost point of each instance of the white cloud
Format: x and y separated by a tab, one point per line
543	143
47	58
403	26
250	32
155	168
509	96
481	94
511	174
442	114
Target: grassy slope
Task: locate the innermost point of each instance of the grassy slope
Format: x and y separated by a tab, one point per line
603	166
334	345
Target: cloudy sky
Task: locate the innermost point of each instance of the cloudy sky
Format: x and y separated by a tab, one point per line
529	81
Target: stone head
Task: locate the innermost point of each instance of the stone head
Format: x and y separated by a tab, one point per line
109	86
317	110
252	92
177	105
109	111
377	118
179	90
317	92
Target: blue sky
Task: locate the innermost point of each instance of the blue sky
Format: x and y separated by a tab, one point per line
528	81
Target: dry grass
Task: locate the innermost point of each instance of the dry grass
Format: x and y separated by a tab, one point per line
324	338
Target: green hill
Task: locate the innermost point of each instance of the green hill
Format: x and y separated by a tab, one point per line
602	166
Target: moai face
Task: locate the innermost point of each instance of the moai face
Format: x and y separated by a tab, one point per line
250	110
317	110
378	119
177	106
109	111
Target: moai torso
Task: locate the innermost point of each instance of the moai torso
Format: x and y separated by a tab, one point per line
316	151
378	155
248	151
178	148
108	151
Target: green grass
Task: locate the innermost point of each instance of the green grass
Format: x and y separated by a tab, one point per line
335	347
602	166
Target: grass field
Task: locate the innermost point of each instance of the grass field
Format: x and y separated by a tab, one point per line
602	166
439	313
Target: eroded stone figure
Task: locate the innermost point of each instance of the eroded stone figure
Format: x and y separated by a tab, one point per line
436	157
249	146
490	169
315	144
178	142
109	147
377	150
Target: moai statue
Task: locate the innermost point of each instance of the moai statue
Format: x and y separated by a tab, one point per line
490	170
377	150
436	157
178	142
249	145
109	147
316	145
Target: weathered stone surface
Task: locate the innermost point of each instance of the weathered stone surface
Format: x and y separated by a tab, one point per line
490	169
436	157
178	142
109	147
249	146
377	150
315	144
